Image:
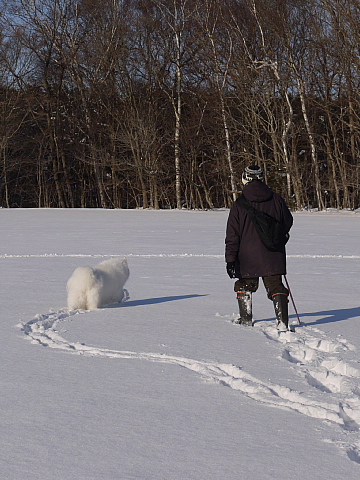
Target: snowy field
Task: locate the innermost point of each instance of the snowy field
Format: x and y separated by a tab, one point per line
164	386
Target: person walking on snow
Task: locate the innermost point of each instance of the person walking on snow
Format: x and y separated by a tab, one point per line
246	256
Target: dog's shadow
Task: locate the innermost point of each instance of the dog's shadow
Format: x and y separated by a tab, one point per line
152	301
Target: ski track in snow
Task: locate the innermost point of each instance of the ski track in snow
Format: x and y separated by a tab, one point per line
157	255
315	356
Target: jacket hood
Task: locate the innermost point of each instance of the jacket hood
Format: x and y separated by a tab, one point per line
257	191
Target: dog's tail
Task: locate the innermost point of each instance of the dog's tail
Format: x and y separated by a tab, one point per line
83	291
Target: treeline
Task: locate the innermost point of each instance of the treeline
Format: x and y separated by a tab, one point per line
162	103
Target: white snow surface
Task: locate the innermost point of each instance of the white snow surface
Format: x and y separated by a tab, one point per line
164	386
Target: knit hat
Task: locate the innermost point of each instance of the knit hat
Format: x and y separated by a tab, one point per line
254	172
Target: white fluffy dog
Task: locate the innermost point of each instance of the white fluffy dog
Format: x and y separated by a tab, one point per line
89	288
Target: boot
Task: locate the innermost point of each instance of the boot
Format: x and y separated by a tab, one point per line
245	308
280	301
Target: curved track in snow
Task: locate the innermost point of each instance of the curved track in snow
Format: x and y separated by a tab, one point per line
315	356
158	255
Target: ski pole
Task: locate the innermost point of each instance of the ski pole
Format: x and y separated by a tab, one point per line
292	299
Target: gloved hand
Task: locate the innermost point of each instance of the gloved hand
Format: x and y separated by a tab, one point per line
230	268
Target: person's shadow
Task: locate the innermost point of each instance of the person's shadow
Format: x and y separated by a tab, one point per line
152	301
330	316
327	316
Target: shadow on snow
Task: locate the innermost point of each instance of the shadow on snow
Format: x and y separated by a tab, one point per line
152	301
330	316
327	316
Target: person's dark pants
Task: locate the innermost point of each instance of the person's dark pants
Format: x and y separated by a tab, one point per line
273	285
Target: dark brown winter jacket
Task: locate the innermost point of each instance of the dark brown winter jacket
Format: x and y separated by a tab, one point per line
242	243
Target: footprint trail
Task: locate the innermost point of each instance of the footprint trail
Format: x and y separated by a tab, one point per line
316	357
320	360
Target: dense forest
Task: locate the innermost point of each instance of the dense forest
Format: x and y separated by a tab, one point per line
162	103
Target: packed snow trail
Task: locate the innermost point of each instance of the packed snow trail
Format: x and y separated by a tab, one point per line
158	255
315	356
318	359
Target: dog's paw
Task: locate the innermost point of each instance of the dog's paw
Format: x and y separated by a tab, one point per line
126	296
